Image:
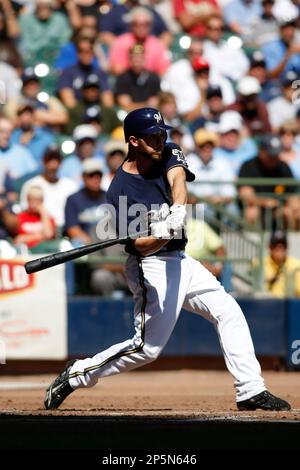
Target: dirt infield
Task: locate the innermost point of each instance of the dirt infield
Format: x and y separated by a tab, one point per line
120	405
185	393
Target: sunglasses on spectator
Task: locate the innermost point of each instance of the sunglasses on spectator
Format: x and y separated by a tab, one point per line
85	51
216	28
288	132
94	173
204	71
141	23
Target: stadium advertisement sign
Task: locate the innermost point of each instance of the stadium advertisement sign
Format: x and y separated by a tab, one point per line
33	312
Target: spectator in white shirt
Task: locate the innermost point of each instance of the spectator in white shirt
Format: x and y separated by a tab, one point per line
224	59
10	85
56	190
181	79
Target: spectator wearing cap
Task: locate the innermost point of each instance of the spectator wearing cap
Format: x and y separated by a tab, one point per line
270	88
202	78
235	147
55	190
282	272
85	138
19	161
267	165
192	15
240	15
252	109
156	54
207	167
290	153
224	60
137	87
42	30
47	113
114	22
264	28
285	107
90	108
283	54
82	207
28	134
70	82
115	152
211	113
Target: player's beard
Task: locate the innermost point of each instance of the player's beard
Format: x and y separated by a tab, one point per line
156	156
150	153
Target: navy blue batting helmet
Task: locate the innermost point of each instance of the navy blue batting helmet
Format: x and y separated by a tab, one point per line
144	121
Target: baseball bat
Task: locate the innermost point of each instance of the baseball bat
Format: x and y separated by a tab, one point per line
63	256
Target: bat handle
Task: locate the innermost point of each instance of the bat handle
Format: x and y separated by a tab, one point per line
39	264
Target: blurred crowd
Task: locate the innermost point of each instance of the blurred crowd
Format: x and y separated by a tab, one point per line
224	73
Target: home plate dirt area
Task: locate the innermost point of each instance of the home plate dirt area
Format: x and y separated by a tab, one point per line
147	410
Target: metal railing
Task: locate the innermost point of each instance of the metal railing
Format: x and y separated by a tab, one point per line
241	249
270	218
245	242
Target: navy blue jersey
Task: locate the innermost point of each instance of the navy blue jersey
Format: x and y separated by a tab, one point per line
148	190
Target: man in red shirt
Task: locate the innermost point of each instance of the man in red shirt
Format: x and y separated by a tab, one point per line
193	14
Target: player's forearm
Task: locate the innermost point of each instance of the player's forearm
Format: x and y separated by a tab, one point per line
177	181
149	245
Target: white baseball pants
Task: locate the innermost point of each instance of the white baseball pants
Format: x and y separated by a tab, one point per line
161	287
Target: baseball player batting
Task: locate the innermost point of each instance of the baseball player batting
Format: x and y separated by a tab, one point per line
163	279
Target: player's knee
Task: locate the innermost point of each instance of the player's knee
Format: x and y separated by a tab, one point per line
151	353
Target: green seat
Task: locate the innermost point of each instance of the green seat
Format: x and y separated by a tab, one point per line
50	246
